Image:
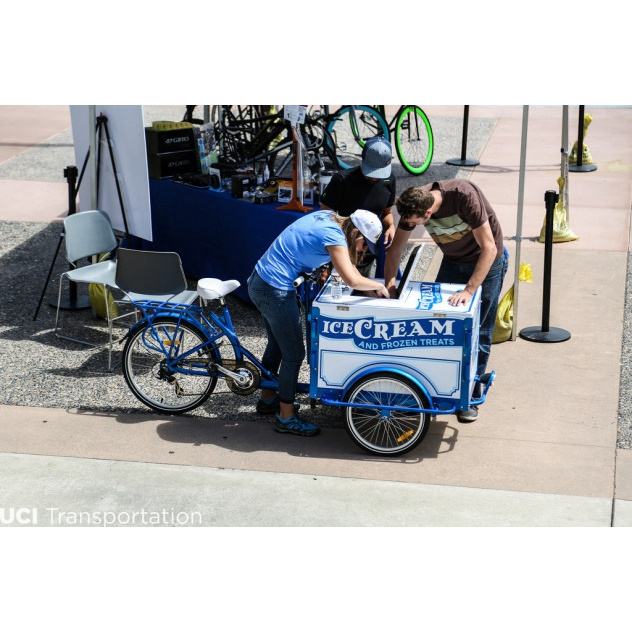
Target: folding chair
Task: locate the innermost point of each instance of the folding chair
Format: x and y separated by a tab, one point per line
146	274
88	234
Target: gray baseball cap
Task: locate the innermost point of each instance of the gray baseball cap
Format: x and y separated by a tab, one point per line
377	156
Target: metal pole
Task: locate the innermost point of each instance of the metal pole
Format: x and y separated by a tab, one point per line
546	333
564	166
463	161
523	161
93	156
580	137
580	146
73	302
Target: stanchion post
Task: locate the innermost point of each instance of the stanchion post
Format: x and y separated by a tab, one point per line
546	333
463	161
73	302
580	147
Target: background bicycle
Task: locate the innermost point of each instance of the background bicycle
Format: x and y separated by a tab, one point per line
249	135
351	126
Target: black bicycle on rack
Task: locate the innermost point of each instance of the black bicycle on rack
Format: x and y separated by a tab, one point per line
269	138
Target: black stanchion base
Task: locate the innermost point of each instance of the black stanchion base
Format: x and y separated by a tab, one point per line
582	167
80	302
462	162
536	334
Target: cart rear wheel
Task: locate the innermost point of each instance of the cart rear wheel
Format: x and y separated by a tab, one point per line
379	429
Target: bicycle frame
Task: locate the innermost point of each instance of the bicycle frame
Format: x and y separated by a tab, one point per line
253	140
214	326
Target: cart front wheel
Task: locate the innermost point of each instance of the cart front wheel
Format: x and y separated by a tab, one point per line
380	423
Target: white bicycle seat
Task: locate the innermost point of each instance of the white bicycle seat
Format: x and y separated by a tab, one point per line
214	288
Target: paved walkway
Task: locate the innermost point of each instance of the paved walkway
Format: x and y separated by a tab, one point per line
543	452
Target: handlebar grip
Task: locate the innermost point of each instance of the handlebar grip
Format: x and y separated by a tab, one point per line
298	281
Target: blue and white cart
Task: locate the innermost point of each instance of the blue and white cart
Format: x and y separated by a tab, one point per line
393	364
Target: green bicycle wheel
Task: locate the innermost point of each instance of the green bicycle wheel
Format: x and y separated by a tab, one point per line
414	142
351	128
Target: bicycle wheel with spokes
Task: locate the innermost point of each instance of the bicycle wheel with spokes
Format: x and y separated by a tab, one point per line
152	381
380	424
414	142
351	128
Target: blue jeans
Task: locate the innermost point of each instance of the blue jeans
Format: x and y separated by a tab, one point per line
285	350
450	272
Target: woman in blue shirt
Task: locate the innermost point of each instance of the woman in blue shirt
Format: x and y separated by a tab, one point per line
308	243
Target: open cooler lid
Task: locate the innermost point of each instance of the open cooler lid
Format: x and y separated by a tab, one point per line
407	276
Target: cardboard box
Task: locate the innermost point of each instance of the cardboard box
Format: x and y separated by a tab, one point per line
169	141
285	191
171	164
240	183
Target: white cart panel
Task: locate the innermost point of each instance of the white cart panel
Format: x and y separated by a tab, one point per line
420	334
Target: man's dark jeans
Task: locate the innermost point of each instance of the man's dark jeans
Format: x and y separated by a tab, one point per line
450	272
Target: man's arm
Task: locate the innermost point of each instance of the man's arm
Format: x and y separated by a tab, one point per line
393	257
389	225
485	239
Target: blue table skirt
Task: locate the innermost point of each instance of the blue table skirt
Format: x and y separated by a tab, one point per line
215	234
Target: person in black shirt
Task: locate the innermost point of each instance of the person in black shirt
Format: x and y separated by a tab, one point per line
371	186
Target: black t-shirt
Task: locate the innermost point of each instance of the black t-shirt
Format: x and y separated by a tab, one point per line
349	190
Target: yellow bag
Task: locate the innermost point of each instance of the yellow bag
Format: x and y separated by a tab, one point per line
97	300
504	316
97	297
561	229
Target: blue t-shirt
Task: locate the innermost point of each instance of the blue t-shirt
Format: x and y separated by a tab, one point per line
301	247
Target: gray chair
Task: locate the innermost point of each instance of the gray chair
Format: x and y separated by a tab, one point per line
88	234
146	274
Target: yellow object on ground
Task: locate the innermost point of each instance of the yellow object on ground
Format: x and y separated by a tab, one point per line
586	156
561	229
96	294
504	315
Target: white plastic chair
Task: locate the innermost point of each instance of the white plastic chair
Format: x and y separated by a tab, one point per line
88	234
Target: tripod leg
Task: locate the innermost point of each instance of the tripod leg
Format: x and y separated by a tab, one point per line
50	272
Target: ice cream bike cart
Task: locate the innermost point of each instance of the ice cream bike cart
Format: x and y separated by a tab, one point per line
389	364
394	364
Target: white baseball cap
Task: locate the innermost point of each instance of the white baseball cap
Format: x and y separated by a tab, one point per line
369	225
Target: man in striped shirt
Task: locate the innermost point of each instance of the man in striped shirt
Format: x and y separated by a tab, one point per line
463	224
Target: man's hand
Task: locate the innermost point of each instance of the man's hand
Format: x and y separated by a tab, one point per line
460	298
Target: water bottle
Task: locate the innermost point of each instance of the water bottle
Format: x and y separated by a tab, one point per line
336	287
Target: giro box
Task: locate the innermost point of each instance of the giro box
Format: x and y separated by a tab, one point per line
168	141
242	182
419	334
174	163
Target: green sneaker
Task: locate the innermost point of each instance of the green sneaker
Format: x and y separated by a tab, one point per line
294	425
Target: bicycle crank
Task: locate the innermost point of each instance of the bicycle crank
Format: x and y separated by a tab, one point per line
242	378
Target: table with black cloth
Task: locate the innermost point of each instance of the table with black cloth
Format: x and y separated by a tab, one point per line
215	234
